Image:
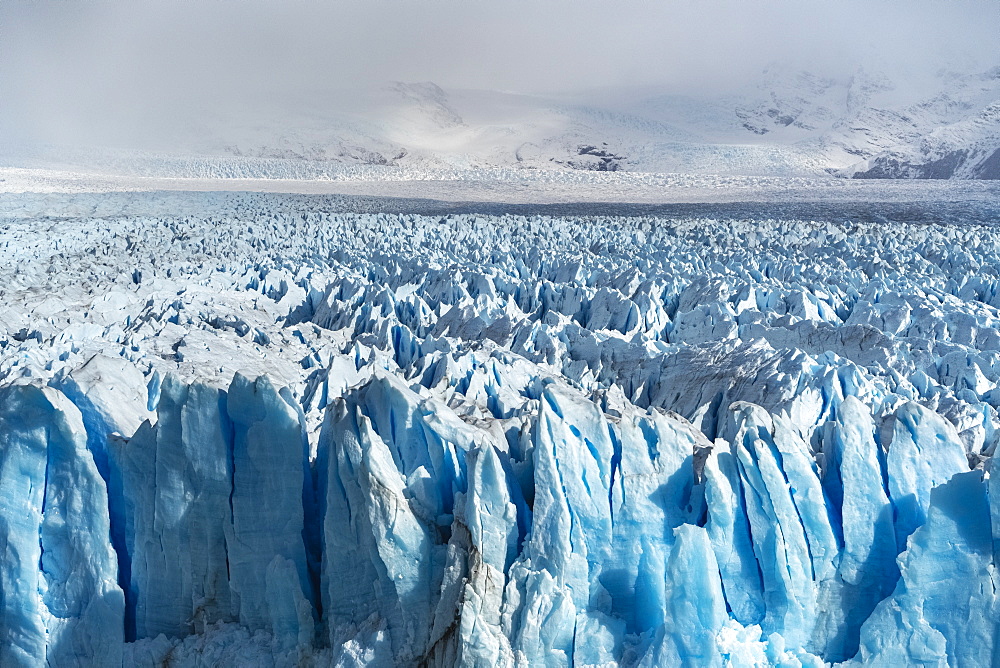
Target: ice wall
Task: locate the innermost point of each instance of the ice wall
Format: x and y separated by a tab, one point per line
560	535
212	506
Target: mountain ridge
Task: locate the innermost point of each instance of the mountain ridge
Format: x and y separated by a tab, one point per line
786	123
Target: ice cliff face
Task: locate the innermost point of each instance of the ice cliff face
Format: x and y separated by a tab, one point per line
284	436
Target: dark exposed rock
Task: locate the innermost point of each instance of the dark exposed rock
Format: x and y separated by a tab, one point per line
885	167
989	168
947	166
594	159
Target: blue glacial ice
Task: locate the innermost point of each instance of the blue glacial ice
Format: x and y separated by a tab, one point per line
320	439
59	596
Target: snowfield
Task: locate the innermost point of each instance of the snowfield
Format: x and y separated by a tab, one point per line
746	423
782	122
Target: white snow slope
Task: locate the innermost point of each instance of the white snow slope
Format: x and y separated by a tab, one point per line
243	429
785	123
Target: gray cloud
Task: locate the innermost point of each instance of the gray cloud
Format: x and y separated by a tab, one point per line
87	71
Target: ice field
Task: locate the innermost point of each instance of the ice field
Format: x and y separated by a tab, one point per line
743	424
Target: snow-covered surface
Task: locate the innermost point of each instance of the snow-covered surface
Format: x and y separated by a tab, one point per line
262	429
782	123
45	192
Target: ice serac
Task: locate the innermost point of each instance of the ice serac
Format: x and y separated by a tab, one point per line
925	451
779	538
554	586
59	597
942	610
608	494
729	533
653	491
109	393
853	480
377	553
266	542
697	605
212	500
173	481
494	515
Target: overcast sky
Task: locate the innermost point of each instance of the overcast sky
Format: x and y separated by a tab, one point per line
69	66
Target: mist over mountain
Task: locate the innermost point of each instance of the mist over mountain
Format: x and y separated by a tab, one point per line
868	89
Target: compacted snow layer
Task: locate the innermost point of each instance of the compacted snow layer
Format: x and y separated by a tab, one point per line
250	430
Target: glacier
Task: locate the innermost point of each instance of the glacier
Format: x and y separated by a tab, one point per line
247	429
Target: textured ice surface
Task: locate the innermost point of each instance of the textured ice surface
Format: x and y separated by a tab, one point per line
272	434
59	598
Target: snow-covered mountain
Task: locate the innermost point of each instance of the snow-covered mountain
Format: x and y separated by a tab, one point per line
785	123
